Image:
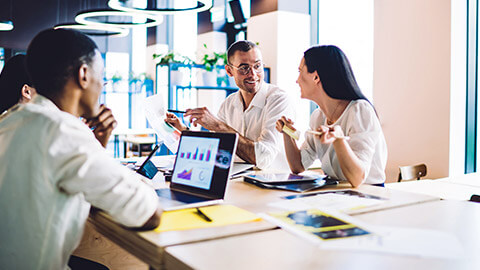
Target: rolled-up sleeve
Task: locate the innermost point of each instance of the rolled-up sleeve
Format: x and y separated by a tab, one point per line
269	143
83	166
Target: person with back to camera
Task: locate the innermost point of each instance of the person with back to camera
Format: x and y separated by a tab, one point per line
54	167
251	111
349	140
15	85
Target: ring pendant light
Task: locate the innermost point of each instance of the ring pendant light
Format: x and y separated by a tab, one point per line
97	30
202	5
87	18
6	25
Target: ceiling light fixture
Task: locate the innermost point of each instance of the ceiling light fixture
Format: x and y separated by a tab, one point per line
6	25
87	18
96	30
202	5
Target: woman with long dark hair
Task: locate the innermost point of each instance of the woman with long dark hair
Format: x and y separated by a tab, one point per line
15	85
345	131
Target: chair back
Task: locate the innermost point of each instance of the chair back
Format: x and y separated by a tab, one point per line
412	172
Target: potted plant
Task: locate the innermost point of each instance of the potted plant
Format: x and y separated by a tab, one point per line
211	61
139	80
176	76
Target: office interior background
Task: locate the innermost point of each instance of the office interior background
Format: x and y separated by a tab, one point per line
416	60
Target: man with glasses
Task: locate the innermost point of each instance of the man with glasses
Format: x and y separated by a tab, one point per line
251	112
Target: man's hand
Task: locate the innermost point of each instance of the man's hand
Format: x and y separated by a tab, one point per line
102	125
203	117
173	120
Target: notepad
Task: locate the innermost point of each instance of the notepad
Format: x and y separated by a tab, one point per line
221	215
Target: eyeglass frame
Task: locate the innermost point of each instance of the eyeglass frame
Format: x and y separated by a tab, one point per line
250	67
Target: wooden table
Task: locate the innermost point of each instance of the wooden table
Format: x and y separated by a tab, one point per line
278	249
149	246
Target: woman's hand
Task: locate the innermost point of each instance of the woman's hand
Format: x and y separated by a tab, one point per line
329	134
282	122
102	125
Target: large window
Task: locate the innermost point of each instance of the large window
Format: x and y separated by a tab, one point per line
472	88
348	24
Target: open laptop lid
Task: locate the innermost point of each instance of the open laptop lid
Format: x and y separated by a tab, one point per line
203	163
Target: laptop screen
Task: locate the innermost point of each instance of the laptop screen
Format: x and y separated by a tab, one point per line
195	161
203	163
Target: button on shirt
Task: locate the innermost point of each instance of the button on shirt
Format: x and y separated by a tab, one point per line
51	169
360	122
257	123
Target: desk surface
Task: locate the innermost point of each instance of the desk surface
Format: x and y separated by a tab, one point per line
149	246
278	249
445	188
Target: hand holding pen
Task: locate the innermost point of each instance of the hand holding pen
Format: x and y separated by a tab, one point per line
328	134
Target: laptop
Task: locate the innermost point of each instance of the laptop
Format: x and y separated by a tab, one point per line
201	170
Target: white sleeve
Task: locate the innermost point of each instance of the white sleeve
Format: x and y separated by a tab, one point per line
82	166
269	143
308	150
364	130
221	112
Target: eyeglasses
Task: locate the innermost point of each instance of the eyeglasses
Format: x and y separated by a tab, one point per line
245	69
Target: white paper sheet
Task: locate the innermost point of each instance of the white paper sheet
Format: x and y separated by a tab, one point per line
403	241
155	113
337	202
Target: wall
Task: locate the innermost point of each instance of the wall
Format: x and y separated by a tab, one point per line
412	82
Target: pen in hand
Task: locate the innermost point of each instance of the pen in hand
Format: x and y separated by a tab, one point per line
202	215
176	111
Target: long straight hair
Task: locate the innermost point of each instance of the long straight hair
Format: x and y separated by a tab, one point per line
334	71
13	77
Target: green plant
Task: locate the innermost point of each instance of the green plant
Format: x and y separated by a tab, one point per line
116	77
172	57
211	61
142	77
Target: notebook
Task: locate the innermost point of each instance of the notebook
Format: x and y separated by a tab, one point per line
201	170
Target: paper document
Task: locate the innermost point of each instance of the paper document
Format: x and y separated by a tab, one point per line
220	215
155	113
331	230
341	200
316	224
404	241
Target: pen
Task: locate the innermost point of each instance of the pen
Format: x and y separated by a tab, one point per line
314	132
176	111
200	213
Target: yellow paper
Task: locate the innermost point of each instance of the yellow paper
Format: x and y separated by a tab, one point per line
187	219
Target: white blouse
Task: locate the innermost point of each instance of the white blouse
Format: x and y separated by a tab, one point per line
360	122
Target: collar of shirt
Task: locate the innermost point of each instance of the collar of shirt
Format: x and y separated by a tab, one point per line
44	102
258	100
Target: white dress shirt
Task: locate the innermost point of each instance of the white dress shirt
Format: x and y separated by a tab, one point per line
360	122
257	123
51	169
